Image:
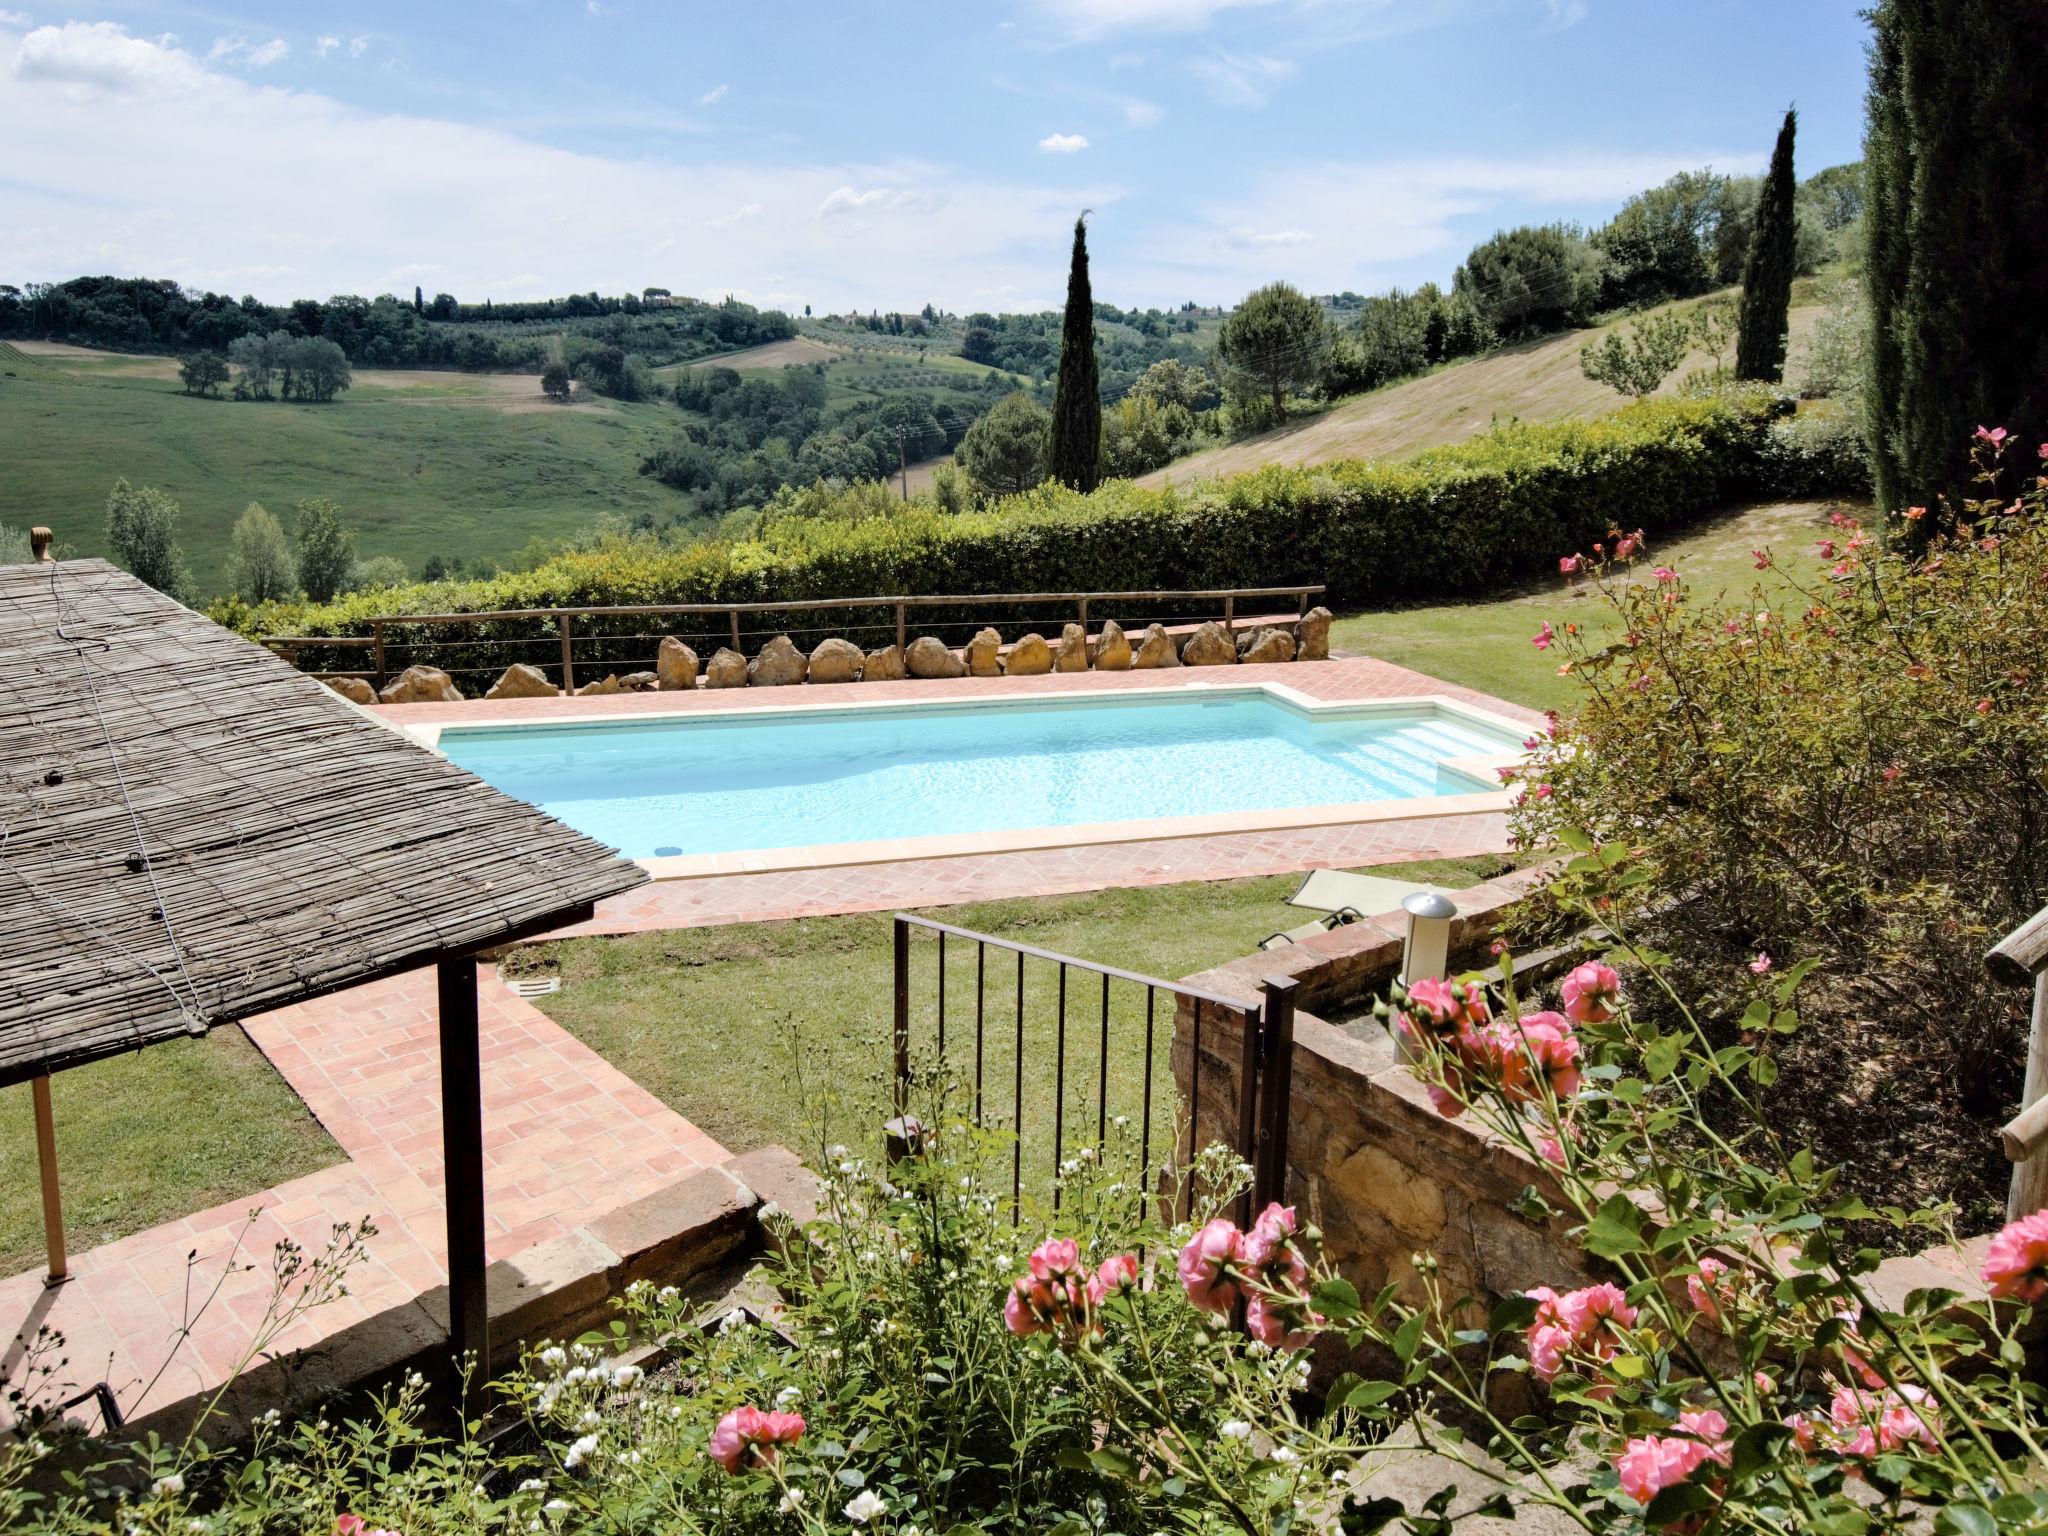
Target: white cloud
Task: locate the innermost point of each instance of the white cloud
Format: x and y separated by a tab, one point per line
1063	143
1239	80
1252	239
1327	226
716	93
1139	113
323	46
239	50
357	46
100	56
494	215
13	18
1566	13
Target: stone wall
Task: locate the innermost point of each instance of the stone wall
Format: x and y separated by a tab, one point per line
1372	1163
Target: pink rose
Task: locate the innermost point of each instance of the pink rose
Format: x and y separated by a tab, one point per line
1053	1294
1273	1322
747	1438
1761	965
1664	573
1112	1277
1704	1287
2016	1263
1544	636
1206	1267
1567	565
1554	1050
1591	993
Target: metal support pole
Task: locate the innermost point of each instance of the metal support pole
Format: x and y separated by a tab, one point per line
46	1161
1276	1091
901	1026
462	1141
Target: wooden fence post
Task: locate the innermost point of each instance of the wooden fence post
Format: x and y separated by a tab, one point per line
734	616
2029	1191
377	649
902	628
2022	956
46	1160
567	624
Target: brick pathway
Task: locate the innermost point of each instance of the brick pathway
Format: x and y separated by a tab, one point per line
566	1137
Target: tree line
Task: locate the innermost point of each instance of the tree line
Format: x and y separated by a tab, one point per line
319	561
133	314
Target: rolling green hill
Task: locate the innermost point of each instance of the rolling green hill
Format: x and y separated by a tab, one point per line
421	463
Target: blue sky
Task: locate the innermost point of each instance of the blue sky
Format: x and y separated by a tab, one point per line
872	155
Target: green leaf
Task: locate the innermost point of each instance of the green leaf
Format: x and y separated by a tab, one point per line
1336	1298
1114	1463
1370	1394
1615	1230
1373	1516
1660	1060
1676	1502
1408	1338
1965	1520
1512	1315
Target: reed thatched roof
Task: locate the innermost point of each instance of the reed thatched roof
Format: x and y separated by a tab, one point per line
192	831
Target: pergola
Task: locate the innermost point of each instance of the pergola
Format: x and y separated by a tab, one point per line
191	832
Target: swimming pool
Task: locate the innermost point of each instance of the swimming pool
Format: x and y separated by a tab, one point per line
1173	762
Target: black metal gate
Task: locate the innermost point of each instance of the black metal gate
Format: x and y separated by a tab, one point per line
1264	1080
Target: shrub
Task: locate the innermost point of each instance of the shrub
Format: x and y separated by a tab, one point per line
1851	771
1459	519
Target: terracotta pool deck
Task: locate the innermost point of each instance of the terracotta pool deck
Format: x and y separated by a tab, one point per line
1462	828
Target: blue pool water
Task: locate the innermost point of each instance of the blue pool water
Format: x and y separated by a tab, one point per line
853	775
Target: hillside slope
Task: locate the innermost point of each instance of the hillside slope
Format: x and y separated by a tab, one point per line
1534	381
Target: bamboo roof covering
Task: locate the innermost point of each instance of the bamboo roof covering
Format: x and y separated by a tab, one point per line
192	831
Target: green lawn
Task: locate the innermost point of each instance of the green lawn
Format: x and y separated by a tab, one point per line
152	1136
1485	644
742	1029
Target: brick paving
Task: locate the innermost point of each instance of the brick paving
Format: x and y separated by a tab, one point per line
566	1137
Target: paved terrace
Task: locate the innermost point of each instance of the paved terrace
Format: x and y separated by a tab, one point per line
567	1136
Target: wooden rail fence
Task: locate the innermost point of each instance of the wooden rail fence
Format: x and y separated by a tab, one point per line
384	647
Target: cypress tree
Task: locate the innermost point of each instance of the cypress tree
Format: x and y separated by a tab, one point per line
1076	446
1956	244
1768	268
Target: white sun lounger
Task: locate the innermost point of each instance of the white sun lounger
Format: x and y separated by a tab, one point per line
1343	898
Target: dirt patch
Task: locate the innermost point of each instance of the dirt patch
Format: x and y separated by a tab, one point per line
1533	381
775	354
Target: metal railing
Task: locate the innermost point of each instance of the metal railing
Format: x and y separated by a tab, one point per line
1266	1076
628	635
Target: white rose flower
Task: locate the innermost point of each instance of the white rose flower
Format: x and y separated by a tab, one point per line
1234	1429
866	1505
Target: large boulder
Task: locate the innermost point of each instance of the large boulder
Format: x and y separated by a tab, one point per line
522	680
420	685
836	661
1112	650
1312	635
1208	646
984	654
883	666
600	688
1266	645
1028	657
354	689
726	669
676	665
1072	655
779	664
930	656
1156	649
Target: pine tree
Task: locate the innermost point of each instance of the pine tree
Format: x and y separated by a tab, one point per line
1768	269
1956	212
1074	457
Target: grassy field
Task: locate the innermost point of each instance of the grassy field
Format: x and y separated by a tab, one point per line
744	1030
421	463
152	1136
1485	644
1535	381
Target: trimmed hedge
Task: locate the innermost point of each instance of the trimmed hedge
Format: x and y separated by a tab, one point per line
1462	519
